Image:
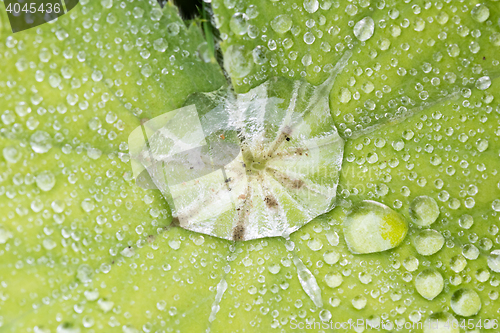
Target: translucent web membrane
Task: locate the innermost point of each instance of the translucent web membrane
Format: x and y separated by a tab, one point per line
245	166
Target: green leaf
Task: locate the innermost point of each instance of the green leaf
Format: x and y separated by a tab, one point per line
83	248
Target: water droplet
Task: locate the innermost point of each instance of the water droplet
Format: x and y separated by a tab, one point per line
331	257
91	295
160	45
309	39
441	322
470	251
424	211
5	235
45	180
373	227
311	6
84	273
428	242
398	145
173	29
483	83
237	61
363	29
239	23
308	282
127	252
482	145
429	283
49	244
480	12
496	205
494	261
175	244
11	154
344	95
411	264
333	280
41	142
315	244
482	275
281	23
465	302
274	269
458	263
325	315
107	3
365	278
359	302
105	305
466	221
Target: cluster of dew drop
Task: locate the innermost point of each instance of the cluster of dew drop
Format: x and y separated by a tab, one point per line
66	190
459	73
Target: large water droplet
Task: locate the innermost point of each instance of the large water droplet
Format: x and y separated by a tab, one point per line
465	302
458	263
483	83
331	257
429	283
363	29
424	211
480	12
441	322
373	227
237	61
428	242
239	23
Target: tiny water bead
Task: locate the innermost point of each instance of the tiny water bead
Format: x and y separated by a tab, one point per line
373	227
428	242
465	302
424	211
